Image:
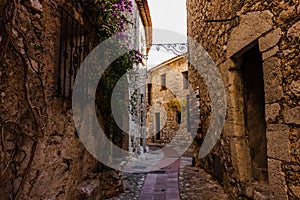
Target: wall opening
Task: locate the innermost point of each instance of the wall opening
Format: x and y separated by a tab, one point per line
218	170
73	48
188	116
163	78
185	80
157	125
178	117
149	93
254	111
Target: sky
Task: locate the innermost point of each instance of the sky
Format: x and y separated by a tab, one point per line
169	26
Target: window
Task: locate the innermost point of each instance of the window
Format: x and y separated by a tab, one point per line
178	117
188	121
149	93
72	50
185	80
163	82
142	116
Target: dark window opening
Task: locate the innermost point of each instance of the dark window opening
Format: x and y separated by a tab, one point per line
72	50
185	80
142	116
178	117
142	98
163	82
254	102
188	123
149	93
218	169
157	126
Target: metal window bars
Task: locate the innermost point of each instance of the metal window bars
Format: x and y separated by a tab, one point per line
74	47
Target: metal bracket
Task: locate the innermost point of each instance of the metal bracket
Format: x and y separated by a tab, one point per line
176	48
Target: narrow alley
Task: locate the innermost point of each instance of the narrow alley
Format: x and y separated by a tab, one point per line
177	181
149	100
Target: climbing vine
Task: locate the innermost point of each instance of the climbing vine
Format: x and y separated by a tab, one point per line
111	18
26	128
31	119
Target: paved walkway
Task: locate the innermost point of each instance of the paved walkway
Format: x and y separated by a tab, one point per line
176	181
196	184
163	184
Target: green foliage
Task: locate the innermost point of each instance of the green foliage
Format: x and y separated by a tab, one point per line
175	105
108	18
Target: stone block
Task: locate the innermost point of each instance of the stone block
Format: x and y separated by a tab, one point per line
270	40
35	4
295	88
296	191
261	195
87	189
272	112
272	80
252	26
278	143
270	53
240	155
292	116
277	180
294	31
287	15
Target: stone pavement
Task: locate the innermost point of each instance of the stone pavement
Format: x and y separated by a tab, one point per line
133	184
162	184
176	181
196	184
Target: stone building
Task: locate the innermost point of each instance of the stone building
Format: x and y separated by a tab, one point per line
137	124
167	90
256	47
41	156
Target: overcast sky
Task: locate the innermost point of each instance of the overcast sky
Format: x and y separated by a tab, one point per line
169	26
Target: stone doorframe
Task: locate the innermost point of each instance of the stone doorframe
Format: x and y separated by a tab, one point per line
255	28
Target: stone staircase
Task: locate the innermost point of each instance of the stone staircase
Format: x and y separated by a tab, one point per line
182	138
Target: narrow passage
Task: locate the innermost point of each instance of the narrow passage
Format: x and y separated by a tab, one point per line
163	184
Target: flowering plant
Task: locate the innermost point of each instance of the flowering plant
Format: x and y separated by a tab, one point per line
107	18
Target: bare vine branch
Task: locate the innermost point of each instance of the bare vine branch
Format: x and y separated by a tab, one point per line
9	36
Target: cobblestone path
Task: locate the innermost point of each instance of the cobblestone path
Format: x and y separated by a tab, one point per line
177	181
196	184
163	184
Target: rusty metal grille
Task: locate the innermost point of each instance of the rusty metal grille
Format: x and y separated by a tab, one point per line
74	47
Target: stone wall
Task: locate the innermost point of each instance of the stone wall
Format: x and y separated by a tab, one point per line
41	155
229	30
165	100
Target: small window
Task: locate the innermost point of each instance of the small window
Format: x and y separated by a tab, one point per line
163	82
149	93
188	122
185	80
74	46
142	116
178	117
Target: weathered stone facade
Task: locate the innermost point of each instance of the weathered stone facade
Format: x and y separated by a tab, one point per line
166	100
256	47
41	155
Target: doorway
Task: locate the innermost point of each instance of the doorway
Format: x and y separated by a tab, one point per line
254	111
